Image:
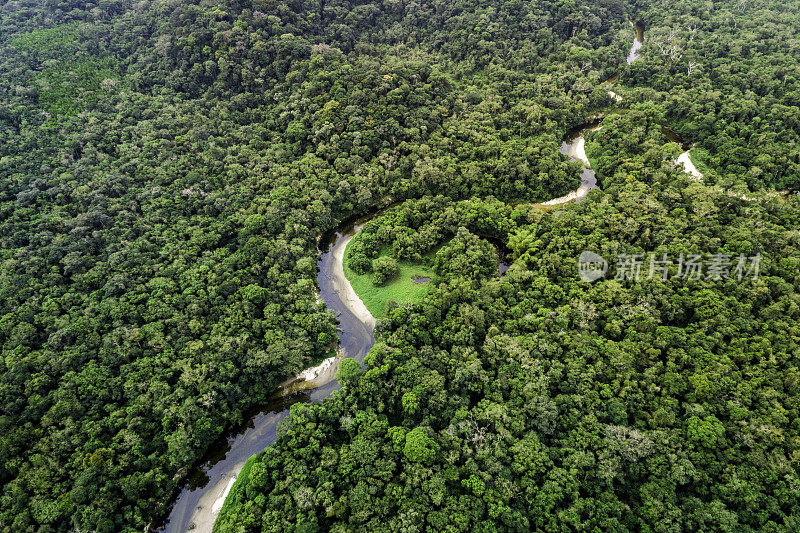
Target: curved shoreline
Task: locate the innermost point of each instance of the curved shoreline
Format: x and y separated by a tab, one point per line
342	285
199	512
575	149
688	166
324	373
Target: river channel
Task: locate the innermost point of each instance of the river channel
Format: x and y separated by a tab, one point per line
204	491
202	497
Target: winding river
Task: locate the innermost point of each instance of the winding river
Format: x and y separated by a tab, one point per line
574	146
204	492
574	143
201	499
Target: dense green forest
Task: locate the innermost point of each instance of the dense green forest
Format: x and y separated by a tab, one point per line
540	402
726	76
166	168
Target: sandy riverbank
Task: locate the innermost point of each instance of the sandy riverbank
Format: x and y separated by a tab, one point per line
688	166
343	287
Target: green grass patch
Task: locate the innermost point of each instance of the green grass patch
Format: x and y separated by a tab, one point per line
236	497
401	288
701	159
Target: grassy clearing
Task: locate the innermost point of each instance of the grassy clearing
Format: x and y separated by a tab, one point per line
402	288
236	497
700	157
